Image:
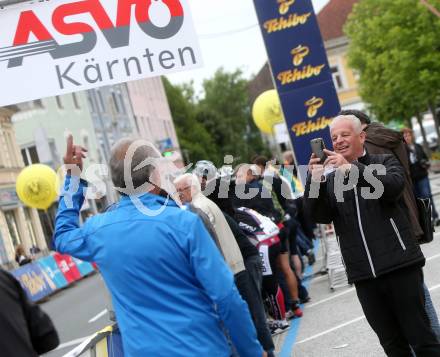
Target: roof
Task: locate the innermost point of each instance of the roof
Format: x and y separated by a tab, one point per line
333	16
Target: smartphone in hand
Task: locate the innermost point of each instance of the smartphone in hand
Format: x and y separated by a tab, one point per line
318	147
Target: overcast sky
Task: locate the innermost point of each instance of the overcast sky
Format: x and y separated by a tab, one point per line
217	24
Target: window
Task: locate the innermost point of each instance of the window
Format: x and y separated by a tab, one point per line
25	157
3	254
34	155
30	226
115	103
59	102
75	101
337	77
11	149
12	227
91	102
30	155
101	104
121	102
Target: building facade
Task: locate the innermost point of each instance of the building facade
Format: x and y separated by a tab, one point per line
41	128
152	113
96	118
18	224
332	19
112	116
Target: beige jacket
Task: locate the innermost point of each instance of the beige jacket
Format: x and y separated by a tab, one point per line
226	238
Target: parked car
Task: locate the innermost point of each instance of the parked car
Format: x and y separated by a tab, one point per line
431	134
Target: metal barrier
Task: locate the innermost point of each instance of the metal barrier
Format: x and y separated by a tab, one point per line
334	262
105	343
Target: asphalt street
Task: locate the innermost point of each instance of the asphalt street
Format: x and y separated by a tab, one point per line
333	324
78	312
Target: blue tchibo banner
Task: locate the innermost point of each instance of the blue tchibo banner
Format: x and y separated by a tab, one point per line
300	71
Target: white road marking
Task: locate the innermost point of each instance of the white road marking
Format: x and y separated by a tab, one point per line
331	330
330	298
97	317
71	343
433	257
360	318
349	290
435	287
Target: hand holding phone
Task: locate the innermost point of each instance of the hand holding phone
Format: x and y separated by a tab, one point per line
318	147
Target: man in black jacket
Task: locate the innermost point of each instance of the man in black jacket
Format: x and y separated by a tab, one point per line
25	329
361	193
382	140
419	166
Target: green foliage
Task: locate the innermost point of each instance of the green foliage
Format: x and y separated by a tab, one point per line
219	124
395	46
225	112
194	139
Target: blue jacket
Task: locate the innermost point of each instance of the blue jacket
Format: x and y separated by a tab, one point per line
169	284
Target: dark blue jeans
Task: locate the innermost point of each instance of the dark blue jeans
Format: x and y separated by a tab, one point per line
251	293
422	189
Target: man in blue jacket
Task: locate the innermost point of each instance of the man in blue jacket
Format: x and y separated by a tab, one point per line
171	289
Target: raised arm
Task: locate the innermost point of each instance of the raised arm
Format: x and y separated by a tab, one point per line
69	238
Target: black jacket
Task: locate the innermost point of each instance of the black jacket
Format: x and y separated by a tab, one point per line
382	140
375	235
262	202
247	249
25	329
419	162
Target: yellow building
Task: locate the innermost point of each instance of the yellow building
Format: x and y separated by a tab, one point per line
332	19
18	224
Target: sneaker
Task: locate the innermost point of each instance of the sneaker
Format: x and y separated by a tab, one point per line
306	300
295	312
278	326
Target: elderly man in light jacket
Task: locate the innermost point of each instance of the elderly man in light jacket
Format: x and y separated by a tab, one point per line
189	191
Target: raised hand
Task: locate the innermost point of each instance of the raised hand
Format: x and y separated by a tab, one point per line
316	169
335	160
74	154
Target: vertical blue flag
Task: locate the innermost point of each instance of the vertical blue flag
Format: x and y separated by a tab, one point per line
300	71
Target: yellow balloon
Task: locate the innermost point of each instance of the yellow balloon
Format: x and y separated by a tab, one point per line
267	111
37	186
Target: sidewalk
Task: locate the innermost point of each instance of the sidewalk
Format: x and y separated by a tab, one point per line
334	325
435	183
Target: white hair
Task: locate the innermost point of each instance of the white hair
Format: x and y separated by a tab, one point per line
355	122
190	179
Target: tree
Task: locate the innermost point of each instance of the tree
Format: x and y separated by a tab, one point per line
395	46
194	139
225	112
220	124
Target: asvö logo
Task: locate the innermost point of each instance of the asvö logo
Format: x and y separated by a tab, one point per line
116	31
